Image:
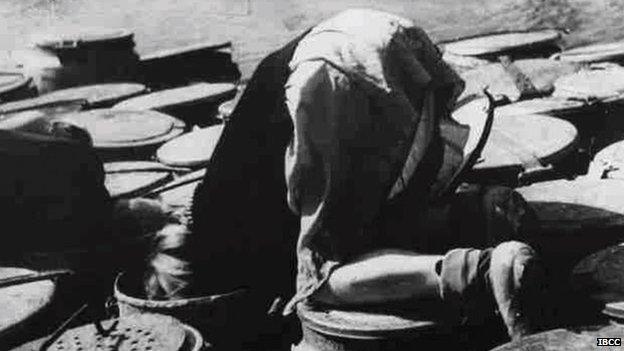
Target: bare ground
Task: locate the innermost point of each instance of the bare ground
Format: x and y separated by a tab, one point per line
258	26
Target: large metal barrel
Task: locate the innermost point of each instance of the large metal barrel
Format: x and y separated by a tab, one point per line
601	52
83	56
194	104
22	304
520	148
135	333
191	150
469	52
126	135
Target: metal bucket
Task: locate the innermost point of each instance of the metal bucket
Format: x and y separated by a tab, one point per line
220	318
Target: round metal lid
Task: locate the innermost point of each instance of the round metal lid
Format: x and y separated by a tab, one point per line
611	159
21	302
141	332
541	72
500	42
193	149
577	204
364	324
134	178
593	53
76	36
97	95
603	82
514	139
600	275
545	106
196	93
10	81
111	129
553	340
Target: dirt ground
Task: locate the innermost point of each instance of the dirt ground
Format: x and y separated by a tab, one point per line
257	26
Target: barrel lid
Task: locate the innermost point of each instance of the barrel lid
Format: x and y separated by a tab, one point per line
544	106
600	275
370	324
193	149
189	95
97	95
20	302
10	81
76	36
552	340
611	159
134	178
141	332
112	129
516	140
541	72
603	82
560	204
500	42
593	53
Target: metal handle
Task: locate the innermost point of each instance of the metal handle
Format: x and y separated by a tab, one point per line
29	278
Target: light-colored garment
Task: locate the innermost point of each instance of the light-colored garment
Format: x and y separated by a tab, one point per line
369	97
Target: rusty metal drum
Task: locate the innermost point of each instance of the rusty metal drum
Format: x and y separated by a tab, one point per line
126	135
97	95
575	218
85	56
601	52
194	104
22	304
345	330
572	339
132	333
191	150
608	163
515	153
542	73
128	179
15	86
599	275
217	317
469	52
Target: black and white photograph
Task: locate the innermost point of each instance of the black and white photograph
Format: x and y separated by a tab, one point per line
321	175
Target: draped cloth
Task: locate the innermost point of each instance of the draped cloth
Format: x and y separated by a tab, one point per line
373	141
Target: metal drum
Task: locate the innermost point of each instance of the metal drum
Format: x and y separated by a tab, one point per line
22	304
201	62
218	317
575	218
15	86
85	56
603	86
608	163
520	149
136	333
98	95
470	52
191	150
33	117
127	179
600	276
571	339
603	52
499	79
126	135
343	330
587	117
195	104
